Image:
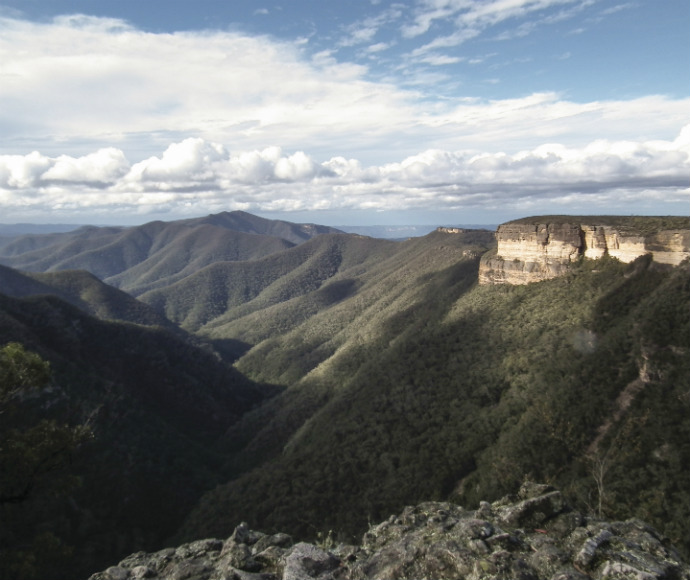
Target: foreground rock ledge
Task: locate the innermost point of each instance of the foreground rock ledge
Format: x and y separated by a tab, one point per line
531	536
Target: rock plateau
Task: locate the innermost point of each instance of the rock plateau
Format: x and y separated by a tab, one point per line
538	249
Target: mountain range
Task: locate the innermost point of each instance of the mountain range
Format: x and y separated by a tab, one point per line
308	380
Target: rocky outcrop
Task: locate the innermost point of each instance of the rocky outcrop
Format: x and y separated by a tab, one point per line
531	251
669	247
532	536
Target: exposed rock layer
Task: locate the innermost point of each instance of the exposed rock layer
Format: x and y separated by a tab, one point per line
533	536
531	252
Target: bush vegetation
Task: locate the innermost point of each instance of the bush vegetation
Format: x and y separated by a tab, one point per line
368	374
465	393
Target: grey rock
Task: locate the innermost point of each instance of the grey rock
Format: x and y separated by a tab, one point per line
272	560
533	535
198	548
534	510
242	575
305	561
279	540
140	572
117	573
590	548
242	534
238	556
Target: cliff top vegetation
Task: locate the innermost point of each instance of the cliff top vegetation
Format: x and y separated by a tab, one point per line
640	225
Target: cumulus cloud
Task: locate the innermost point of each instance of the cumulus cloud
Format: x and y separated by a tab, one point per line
192	159
22	171
196	177
104	166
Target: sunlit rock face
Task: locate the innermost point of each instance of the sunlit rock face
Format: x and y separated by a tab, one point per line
670	246
622	247
531	252
594	238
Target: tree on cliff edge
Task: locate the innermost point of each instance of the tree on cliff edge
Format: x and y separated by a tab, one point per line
34	461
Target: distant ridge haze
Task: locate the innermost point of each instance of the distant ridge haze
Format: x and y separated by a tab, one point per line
156	252
9	230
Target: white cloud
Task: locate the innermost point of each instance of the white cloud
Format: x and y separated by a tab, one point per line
469	18
77	83
196	177
378	47
201	114
192	159
22	171
364	31
440	59
298	166
103	166
491	12
87	79
359	34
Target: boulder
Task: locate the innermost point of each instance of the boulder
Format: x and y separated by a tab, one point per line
533	535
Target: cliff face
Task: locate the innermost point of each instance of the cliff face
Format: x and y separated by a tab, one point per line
531	252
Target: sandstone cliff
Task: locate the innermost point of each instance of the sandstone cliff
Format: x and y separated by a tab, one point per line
533	536
535	249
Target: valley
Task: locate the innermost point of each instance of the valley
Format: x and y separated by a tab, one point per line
307	380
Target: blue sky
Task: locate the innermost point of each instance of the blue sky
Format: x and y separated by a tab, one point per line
368	111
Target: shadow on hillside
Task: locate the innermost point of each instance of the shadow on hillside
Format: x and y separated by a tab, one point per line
230	349
337	291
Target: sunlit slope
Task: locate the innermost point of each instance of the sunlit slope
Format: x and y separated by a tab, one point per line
137	258
223	286
460	391
355	307
141	258
307	301
394	297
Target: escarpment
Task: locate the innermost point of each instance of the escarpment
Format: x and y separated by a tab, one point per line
535	249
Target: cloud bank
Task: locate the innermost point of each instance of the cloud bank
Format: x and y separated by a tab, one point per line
195	176
203	121
74	83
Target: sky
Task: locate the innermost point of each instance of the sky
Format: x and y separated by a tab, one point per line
356	112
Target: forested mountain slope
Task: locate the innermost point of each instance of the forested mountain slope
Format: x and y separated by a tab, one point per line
230	300
581	380
84	291
155	404
223	287
368	374
140	258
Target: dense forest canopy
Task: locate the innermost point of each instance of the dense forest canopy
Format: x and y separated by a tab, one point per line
320	381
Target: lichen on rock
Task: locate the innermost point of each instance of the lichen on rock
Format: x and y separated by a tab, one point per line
533	535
